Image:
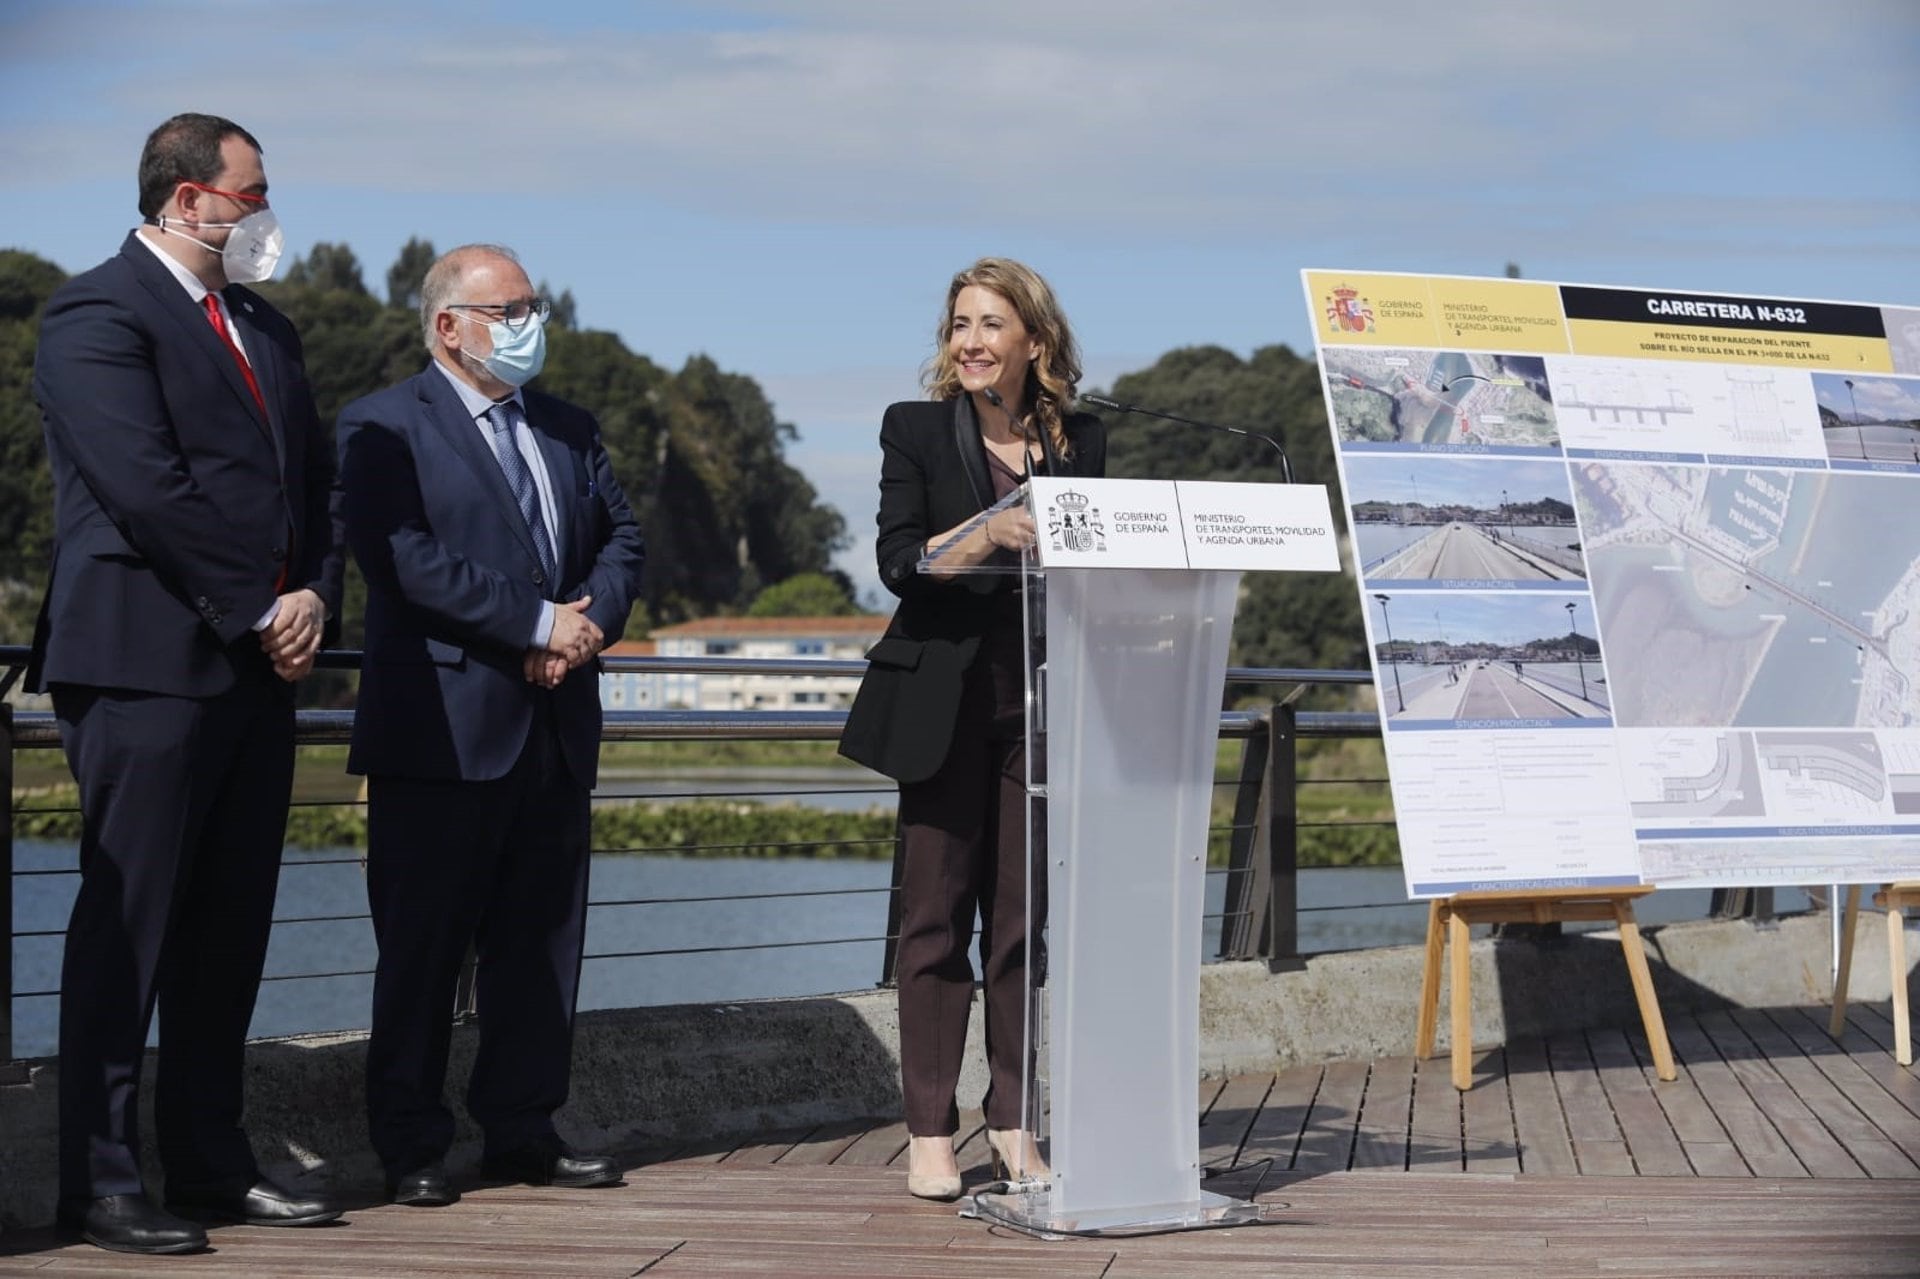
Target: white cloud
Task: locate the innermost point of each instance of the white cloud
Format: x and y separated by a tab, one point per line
1106	118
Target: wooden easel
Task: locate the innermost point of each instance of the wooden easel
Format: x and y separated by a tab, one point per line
1894	898
1449	918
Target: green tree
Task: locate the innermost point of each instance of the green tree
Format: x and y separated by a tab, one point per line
1284	619
26	491
700	452
806	595
565	312
331	267
408	273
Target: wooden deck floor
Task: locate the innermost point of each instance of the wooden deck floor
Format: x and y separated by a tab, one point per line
1776	1152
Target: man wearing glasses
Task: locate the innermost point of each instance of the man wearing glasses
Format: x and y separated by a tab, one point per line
195	570
500	557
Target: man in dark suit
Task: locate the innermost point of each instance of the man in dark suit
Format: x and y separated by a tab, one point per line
500	556
195	571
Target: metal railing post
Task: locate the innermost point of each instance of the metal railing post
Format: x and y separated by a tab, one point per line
1755	903
1282	831
1242	927
891	952
11	1070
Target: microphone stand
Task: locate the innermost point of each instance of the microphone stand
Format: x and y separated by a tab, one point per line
1101	401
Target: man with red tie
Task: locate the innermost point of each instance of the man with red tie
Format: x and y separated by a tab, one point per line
196	570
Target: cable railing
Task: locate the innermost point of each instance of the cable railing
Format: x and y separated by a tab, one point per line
748	927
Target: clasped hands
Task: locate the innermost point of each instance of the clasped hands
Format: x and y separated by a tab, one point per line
573	643
292	638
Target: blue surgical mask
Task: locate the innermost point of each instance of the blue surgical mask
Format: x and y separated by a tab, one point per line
518	354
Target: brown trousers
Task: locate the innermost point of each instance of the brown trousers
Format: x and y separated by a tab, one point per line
965	837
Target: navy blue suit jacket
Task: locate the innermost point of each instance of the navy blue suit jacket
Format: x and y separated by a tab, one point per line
454	586
174	498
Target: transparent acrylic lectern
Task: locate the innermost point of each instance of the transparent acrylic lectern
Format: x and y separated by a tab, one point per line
1124	675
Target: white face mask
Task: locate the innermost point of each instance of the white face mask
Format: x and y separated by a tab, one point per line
252	252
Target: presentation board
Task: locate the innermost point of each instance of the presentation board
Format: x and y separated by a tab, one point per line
1641	577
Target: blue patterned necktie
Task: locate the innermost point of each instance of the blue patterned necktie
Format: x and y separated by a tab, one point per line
507	452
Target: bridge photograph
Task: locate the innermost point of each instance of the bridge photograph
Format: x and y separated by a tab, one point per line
1449	659
1463	522
1869	419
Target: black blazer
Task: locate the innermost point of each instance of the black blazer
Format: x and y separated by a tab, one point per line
933	475
173	496
454	585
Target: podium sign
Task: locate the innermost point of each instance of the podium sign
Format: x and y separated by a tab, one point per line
1185	524
1107	523
1129	605
1271	527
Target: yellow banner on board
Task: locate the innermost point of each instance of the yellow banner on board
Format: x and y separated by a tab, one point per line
1374	310
1836	352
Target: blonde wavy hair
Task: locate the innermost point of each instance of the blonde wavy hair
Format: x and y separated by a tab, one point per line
1053	379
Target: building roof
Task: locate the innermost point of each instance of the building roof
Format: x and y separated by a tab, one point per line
631	648
856	627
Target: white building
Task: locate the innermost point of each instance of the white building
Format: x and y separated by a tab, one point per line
631	690
765	637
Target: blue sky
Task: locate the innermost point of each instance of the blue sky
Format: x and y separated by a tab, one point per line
1878	399
787	185
1505	617
1455	481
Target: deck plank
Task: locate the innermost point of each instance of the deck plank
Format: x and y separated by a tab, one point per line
1846	1070
1277	1130
1539	1127
1599	1147
876	1148
1386	1115
1868	1041
1326	1137
767	1149
1630	1089
1486	1114
825	1144
1756	1090
1229	1118
1760	1144
1436	1138
856	1222
1799	1066
1812	1143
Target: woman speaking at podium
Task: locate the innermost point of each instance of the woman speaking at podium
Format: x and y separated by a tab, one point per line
940	708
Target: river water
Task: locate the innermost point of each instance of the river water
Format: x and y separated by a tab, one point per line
662	930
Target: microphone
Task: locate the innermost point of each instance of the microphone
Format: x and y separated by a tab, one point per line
1046	436
1101	401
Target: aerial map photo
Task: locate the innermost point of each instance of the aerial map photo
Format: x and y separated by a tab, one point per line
1440	399
1754	597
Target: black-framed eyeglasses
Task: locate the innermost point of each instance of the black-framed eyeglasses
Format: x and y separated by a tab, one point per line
512	314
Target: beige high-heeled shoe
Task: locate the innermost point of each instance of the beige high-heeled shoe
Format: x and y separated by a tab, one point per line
1016	1155
932	1172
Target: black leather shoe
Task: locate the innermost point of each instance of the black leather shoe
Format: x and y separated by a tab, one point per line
129	1223
426	1187
260	1203
550	1163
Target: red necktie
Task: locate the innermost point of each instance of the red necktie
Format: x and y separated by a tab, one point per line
246	370
226	335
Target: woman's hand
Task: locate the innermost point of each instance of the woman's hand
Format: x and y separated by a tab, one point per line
1011	529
